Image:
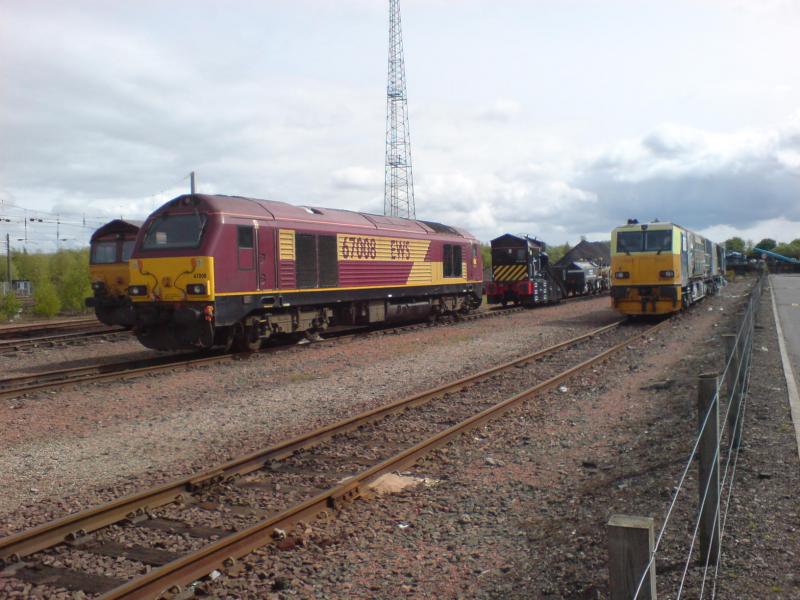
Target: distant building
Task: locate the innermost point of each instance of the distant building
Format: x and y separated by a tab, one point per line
20	287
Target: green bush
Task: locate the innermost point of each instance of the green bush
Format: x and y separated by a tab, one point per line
46	300
63	275
73	283
9	306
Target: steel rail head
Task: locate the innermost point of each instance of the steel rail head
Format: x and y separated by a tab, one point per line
46	325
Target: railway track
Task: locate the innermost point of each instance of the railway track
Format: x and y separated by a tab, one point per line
11	387
163	542
35	329
16	344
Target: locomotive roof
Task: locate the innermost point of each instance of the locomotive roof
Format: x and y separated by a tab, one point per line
657	225
117	226
282	211
517	240
664	224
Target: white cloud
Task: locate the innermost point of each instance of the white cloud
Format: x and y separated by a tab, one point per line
503	109
357	178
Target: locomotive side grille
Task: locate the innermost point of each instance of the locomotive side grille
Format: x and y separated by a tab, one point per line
509	272
328	263
306	262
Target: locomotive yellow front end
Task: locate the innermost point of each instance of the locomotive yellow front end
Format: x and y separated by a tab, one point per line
110	248
646	269
173	296
172	284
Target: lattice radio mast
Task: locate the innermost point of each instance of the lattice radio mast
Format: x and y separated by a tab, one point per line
398	186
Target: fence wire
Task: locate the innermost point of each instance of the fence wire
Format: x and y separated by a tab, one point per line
740	360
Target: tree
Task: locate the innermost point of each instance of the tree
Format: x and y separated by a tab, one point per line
70	274
556	253
792	249
9	306
767	244
486	255
735	244
46	302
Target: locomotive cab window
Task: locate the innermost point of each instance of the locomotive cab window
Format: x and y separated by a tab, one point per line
167	231
246	246
127	249
658	240
630	241
507	256
451	260
104	253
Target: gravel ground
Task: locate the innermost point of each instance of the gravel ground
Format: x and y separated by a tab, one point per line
518	508
65	449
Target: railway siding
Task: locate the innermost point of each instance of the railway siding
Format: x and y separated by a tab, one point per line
325	468
517	509
108	439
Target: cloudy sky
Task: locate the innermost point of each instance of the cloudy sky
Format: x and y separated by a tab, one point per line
556	118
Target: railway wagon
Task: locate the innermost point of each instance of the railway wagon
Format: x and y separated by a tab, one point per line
231	271
110	249
661	268
581	278
521	273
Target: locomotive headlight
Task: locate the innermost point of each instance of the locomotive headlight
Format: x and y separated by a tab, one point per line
621	275
667	274
197	289
98	286
137	290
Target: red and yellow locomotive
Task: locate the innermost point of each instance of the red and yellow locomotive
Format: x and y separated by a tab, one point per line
110	249
231	271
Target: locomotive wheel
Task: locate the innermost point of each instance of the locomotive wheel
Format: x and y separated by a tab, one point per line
223	337
245	339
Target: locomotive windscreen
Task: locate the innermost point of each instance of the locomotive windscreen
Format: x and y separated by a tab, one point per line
508	256
652	240
174	231
104	253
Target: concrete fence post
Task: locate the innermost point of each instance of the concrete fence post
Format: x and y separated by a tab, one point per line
708	471
630	544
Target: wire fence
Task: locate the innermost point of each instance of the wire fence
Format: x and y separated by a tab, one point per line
712	449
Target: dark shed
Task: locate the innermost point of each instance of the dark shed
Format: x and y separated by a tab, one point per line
598	253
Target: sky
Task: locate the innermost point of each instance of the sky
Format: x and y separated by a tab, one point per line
554	118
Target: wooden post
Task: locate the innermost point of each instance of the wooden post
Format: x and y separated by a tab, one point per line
734	397
708	471
630	544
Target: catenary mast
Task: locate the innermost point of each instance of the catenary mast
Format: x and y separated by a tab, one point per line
398	186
